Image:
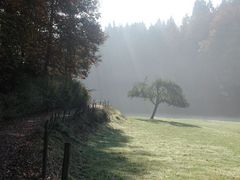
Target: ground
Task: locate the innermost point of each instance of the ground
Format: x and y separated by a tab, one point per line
137	148
124	148
20	148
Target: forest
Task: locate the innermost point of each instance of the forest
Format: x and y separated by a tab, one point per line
45	47
201	54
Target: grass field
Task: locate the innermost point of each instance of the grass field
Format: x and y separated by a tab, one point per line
165	149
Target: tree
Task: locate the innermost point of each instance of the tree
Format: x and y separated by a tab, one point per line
43	42
48	38
158	92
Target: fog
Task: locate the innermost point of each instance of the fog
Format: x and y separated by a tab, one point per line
202	56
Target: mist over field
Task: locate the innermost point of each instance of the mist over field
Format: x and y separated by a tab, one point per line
201	55
139	98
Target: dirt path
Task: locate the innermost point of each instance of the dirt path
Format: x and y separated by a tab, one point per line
20	150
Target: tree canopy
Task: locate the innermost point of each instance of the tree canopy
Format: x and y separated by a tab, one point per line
44	46
48	37
158	92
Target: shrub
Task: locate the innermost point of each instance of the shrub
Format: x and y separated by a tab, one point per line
35	95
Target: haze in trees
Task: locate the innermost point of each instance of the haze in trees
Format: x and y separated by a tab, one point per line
201	54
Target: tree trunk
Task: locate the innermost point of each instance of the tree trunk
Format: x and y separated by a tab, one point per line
154	111
50	37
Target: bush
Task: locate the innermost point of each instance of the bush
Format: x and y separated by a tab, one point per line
36	95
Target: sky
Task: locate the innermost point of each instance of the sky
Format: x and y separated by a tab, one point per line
148	11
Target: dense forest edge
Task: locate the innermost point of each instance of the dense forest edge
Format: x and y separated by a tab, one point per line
46	49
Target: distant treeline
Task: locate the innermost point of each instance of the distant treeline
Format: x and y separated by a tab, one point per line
202	55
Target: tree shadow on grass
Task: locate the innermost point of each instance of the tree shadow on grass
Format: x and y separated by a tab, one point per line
104	161
173	123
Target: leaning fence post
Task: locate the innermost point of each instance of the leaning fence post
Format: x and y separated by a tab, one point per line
66	160
45	149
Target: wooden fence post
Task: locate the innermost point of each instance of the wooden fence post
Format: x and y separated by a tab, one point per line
45	150
63	116
66	160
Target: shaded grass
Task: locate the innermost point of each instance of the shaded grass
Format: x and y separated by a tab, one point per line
103	158
164	149
179	124
75	131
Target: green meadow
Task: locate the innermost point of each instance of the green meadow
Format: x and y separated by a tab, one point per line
136	148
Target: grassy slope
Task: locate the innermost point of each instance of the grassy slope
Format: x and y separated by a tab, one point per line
164	149
76	131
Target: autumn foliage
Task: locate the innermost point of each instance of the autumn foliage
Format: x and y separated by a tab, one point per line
44	39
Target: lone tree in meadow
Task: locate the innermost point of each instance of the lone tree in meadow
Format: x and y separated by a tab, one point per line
158	92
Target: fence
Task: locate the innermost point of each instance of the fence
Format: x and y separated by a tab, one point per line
100	104
49	126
